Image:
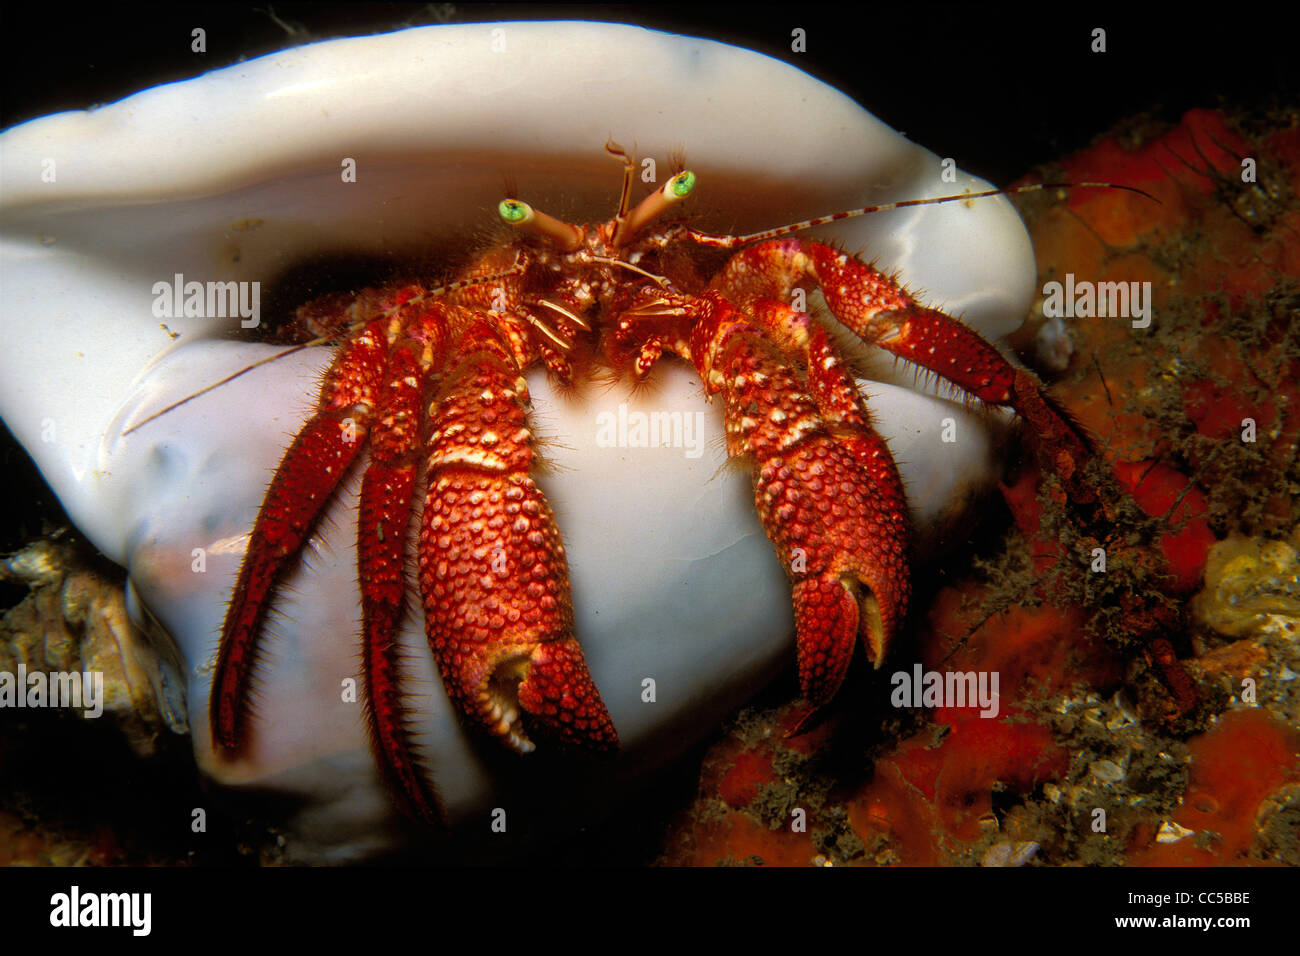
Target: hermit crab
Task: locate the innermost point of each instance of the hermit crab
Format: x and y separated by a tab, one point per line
435	378
674	581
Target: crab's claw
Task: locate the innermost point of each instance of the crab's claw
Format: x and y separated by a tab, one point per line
847	552
865	587
493	573
827	490
560	697
510	689
830	611
506	652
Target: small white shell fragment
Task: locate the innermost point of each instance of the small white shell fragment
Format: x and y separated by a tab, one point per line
1171	832
1053	345
1107	771
1007	853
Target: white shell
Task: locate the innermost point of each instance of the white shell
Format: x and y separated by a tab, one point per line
236	175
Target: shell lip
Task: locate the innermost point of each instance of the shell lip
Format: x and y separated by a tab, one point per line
319	95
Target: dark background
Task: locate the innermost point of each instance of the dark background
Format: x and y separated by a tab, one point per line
999	92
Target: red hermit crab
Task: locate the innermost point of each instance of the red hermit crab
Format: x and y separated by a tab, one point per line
434	379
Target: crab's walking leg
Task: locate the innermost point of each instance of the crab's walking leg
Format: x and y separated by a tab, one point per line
492	569
303	484
881	313
832	507
386	498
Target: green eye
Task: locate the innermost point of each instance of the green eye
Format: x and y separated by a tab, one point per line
682	184
515	212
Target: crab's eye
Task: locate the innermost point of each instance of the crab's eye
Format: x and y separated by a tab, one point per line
680	186
515	212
